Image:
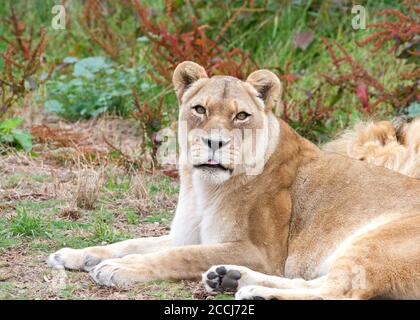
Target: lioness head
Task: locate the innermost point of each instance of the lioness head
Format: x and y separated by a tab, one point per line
226	126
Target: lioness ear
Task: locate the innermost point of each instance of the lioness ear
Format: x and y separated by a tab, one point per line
267	85
185	74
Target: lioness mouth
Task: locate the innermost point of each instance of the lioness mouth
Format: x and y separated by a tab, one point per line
212	166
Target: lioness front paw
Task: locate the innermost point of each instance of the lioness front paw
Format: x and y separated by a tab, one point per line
75	259
119	273
225	278
253	293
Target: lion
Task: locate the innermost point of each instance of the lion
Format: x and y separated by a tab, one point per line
392	144
266	213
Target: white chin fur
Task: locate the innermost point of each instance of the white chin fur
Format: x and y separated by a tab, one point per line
212	176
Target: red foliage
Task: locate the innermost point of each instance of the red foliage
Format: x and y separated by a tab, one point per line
363	94
95	24
151	120
168	48
358	75
307	115
311	114
404	28
21	61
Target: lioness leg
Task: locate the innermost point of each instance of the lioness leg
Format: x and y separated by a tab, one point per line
187	262
87	258
349	278
383	262
265	293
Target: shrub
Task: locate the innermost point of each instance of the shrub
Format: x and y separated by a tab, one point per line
352	88
21	63
95	86
87	190
11	136
171	44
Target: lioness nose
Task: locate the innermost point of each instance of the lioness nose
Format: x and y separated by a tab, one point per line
215	144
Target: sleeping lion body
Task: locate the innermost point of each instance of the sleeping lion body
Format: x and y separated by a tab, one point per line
395	146
266	213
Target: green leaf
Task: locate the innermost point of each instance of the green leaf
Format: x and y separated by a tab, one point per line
143	39
69	60
89	66
23	139
9	124
96	86
6	138
53	106
413	109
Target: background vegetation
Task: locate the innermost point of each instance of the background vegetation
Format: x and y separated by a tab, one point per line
82	109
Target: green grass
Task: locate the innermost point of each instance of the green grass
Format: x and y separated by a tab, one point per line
7	290
160	216
162	186
104	233
165	290
132	217
40	225
119	184
12	181
30	224
40	221
25	224
223	296
36	227
68	292
7	242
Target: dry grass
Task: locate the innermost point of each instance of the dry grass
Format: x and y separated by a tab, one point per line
70	212
138	198
138	188
89	182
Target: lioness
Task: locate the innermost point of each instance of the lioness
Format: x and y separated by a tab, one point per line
322	226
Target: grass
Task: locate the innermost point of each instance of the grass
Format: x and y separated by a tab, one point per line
105	233
32	228
6	291
27	225
164	290
132	217
14	180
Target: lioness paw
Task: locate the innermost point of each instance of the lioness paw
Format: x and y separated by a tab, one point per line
119	273
253	293
225	278
76	259
104	273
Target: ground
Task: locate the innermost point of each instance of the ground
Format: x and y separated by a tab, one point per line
52	200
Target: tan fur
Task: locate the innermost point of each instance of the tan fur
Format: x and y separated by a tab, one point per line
322	225
384	144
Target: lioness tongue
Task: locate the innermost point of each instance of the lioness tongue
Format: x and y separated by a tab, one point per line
212	162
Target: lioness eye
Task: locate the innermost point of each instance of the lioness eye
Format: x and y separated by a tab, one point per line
199	109
242	115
